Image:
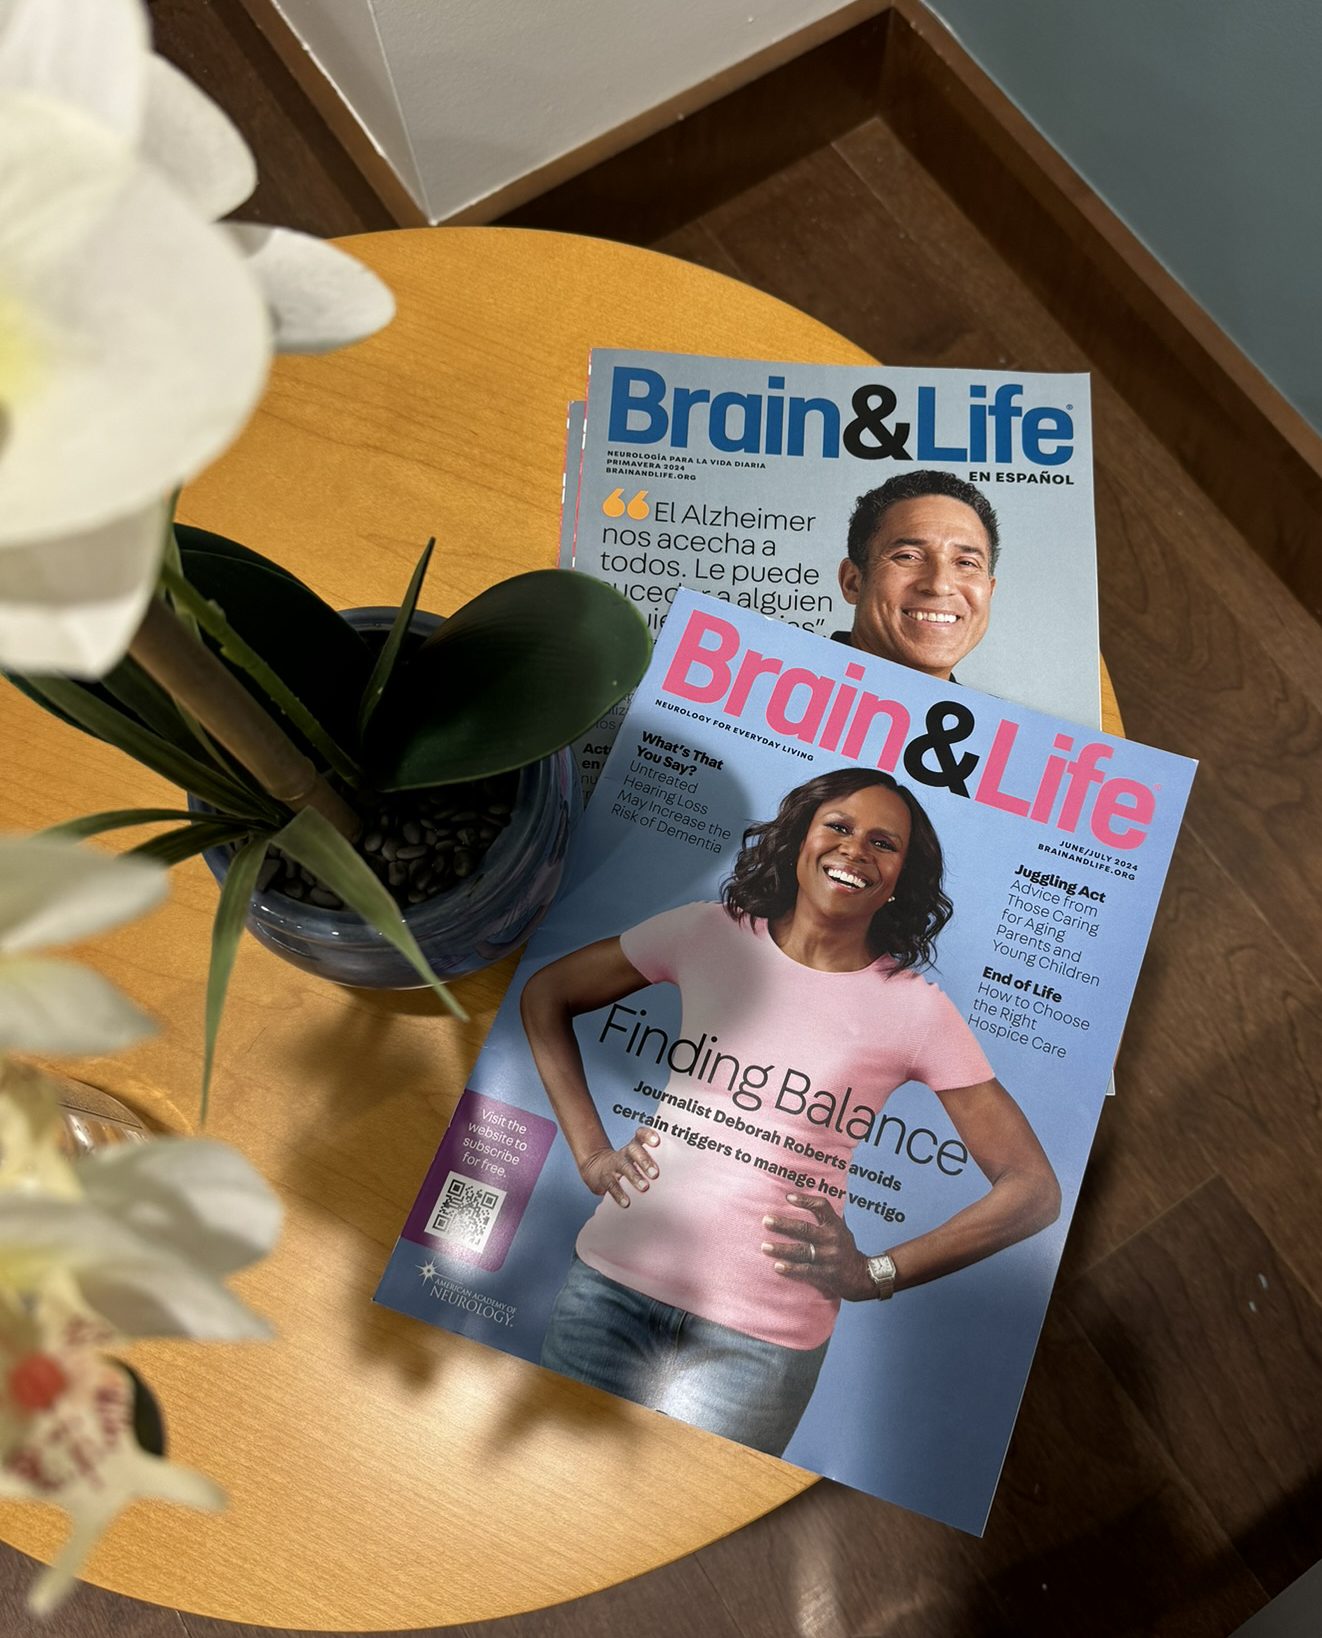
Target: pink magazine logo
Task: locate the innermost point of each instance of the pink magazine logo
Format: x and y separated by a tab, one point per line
1071	787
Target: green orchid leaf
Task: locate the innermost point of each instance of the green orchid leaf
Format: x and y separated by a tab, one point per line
29	688
113	698
389	655
312	841
203	540
242	658
236	893
141	703
189	840
514	675
128	691
316	654
129	736
96	824
141	697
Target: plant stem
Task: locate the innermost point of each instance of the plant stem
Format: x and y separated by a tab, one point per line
197	680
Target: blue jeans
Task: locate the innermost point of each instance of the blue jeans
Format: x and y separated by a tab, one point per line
612	1337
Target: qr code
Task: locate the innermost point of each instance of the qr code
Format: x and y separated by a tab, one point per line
465	1212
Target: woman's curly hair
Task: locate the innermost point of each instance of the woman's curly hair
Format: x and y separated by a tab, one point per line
764	882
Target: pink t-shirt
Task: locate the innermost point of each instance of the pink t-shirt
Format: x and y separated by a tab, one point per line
795	1055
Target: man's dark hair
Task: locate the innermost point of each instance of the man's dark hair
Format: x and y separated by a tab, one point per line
764	882
869	509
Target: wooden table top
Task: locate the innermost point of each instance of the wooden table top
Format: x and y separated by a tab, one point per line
382	1474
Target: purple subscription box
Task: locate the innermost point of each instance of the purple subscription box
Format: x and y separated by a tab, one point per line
481	1181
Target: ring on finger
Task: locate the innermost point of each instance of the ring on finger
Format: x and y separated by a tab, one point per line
812	1252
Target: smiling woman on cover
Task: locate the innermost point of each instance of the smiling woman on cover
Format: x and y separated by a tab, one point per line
701	1286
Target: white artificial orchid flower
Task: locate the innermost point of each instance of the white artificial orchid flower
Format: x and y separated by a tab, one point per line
141	1235
67	1433
133	341
317	297
54	892
143	1287
199	1197
127	1241
135	336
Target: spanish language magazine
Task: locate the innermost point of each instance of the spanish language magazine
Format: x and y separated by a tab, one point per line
781	1124
743	479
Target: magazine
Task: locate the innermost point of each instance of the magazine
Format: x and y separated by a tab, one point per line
818	1066
743	480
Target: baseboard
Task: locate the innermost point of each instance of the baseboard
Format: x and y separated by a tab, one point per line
844	23
676	174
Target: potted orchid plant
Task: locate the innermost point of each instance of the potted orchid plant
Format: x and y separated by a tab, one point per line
136	330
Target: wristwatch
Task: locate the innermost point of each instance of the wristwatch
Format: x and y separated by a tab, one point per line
882	1272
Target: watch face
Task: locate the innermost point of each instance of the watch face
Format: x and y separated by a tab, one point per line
882	1270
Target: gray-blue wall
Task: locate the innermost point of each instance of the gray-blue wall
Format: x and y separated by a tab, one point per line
1200	123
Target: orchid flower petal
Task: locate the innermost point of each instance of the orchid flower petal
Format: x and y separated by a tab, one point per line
139	1476
319	297
72	606
53	1582
54	891
140	1288
200	1197
151	353
41	1236
57	1006
155	1298
91	53
30	1132
60	173
80	1452
189	138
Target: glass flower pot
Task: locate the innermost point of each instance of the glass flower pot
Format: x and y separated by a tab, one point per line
460	930
91	1119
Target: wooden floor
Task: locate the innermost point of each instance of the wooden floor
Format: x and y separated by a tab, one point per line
1166	1474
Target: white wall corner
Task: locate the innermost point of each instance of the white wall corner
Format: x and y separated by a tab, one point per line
343	42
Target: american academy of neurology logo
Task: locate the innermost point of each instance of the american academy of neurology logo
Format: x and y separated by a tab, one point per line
445	1290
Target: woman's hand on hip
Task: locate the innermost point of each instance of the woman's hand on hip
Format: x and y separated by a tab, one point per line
819	1249
606	1171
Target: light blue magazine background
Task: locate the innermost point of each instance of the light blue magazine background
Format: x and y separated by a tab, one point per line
918	1395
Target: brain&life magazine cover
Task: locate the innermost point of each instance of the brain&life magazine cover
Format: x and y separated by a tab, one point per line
765	483
782	1121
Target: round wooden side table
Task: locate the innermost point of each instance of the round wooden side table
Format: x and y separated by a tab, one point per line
382	1474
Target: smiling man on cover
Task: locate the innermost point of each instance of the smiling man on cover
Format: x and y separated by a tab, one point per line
921	570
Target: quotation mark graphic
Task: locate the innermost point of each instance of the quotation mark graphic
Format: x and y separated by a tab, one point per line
614	505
